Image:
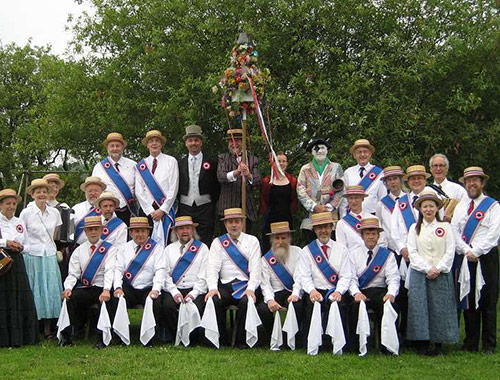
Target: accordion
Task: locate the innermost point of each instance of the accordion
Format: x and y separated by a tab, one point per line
5	262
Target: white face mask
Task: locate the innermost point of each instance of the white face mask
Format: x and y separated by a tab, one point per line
320	152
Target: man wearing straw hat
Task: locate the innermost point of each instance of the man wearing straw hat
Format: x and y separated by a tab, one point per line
279	266
476	223
324	270
375	276
198	185
233	272
156	185
90	277
230	172
114	229
365	174
118	173
185	271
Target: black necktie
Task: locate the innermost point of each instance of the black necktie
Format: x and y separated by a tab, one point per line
370	255
117	168
415	197
361	172
137	249
397	198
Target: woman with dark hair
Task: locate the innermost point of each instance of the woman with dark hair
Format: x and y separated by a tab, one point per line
18	321
432	315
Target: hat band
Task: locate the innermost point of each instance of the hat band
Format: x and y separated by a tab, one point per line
474	173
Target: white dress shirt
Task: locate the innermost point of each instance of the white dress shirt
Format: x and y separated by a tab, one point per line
375	192
127	171
452	190
166	176
388	275
194	168
270	281
351	239
79	260
195	275
152	273
487	233
310	276
119	236
399	232
220	266
81	210
384	215
12	229
433	247
40	228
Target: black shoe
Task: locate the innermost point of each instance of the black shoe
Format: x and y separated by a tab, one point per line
99	345
467	348
65	343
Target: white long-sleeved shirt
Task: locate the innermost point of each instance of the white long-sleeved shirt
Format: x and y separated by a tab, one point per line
127	171
388	275
194	277
399	232
167	177
452	190
81	210
311	277
487	233
119	236
271	283
79	260
152	273
384	215
12	229
351	239
220	266
40	228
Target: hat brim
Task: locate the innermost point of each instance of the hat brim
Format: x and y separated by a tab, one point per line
107	141
379	229
115	200
349	195
318	142
18	198
426	175
58	180
185	137
438	201
281	232
462	179
85	184
238	136
323	223
370	147
391	175
145	140
30	188
188	224
233	217
140	227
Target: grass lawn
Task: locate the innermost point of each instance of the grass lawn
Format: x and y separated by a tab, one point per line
82	361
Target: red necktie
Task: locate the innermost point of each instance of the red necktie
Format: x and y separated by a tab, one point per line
155	165
471	208
92	248
358	216
324	248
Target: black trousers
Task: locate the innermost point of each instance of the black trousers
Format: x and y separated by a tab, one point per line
222	303
170	312
204	215
267	317
486	314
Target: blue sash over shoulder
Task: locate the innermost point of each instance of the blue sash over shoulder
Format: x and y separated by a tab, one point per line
475	218
120	184
109	228
94	264
240	261
185	261
374	267
81	224
406	211
370	177
352	221
328	271
138	262
389	203
280	270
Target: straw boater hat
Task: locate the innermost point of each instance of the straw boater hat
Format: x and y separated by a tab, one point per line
322	218
9	193
139	222
114	136
313	143
391	171
93	221
362	143
280	228
107	196
92	181
234	133
473	171
371	223
193	131
428	195
233	213
354	190
153	133
414	170
182	221
54	177
39	182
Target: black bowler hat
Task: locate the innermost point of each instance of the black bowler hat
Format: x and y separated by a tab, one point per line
317	142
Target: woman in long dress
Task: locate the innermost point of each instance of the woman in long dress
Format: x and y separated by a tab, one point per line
432	311
18	321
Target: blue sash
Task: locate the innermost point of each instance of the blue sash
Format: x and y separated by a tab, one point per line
120	184
81	224
329	272
185	261
109	228
475	218
280	270
158	196
138	262
377	263
370	177
240	261
405	208
353	222
389	203
94	263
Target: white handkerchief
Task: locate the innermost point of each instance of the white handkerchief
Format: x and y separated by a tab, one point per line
464	279
252	321
277	334
104	324
148	322
389	335
209	323
189	319
291	326
479	283
121	322
315	331
157	233
63	320
363	329
335	329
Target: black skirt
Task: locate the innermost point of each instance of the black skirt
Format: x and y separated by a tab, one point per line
18	320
